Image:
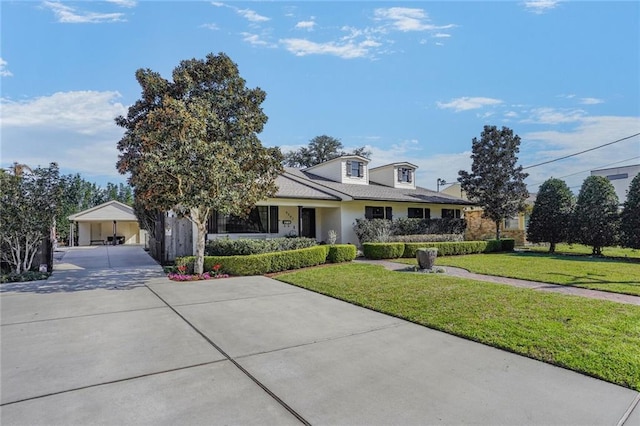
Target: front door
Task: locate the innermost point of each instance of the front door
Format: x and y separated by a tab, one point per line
308	223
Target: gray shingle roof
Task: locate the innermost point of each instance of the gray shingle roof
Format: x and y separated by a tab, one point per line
289	188
372	191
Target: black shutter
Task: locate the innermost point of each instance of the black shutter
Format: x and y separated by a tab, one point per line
348	167
457	213
387	213
427	213
368	212
212	223
360	169
273	219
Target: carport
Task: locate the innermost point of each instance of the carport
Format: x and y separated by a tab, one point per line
109	223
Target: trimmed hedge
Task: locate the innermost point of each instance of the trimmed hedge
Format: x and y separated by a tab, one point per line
265	263
508	244
228	247
339	253
383	250
408	250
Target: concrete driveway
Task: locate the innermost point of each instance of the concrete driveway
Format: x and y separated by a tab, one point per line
109	340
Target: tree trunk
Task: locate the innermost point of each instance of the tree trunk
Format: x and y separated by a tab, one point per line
199	217
497	229
552	247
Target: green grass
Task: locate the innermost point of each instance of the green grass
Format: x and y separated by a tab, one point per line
613	275
594	337
618	252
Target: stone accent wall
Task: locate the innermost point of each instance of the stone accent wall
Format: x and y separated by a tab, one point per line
480	228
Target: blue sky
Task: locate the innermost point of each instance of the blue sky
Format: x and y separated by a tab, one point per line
413	81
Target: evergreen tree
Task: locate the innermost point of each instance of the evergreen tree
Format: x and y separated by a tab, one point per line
595	219
551	215
495	183
630	217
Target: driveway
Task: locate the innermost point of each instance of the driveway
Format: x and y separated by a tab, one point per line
109	340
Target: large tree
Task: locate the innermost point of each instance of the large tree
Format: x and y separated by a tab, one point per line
630	217
320	149
495	182
595	219
29	200
551	215
191	144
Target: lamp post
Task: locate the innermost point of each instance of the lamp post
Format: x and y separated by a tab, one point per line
440	182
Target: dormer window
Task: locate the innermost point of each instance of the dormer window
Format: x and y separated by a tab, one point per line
405	174
355	168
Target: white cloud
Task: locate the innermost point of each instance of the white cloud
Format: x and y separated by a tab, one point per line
540	6
349	50
255	40
305	25
467	103
407	19
252	15
70	15
212	27
554	116
75	129
441	35
4	72
591	101
124	3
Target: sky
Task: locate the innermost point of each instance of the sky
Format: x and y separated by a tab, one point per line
412	81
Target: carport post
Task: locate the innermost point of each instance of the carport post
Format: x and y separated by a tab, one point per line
114	233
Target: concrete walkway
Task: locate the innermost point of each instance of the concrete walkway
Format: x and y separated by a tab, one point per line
535	285
109	340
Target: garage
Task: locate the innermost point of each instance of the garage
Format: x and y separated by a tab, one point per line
109	223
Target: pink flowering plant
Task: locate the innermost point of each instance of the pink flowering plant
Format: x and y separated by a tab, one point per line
185	273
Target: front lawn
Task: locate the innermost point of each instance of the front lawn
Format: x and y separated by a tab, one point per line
595	337
587	250
617	276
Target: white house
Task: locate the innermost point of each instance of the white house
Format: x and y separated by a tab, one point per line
331	196
620	177
99	225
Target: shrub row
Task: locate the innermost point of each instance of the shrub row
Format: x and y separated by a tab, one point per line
265	263
229	247
408	250
426	238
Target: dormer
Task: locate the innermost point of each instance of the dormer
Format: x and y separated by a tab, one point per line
346	169
395	175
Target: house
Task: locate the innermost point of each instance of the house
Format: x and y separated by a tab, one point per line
620	177
330	196
100	224
481	228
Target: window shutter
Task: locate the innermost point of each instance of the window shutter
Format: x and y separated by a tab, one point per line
409	175
360	169
399	174
273	219
387	213
368	212
457	213
427	213
348	167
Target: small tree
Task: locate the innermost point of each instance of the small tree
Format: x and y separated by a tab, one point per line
630	217
191	144
29	205
320	149
551	215
495	182
595	220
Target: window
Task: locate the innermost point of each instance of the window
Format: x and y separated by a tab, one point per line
511	223
261	220
451	213
371	212
355	168
405	174
418	213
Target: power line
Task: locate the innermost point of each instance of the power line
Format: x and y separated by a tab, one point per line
581	152
585	171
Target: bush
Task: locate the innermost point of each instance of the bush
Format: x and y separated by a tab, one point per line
508	244
447	248
229	247
427	238
493	246
339	253
410	226
372	230
24	277
263	263
383	250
